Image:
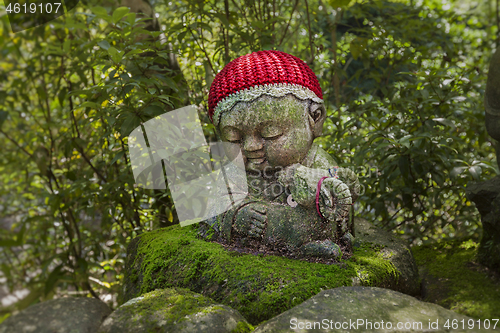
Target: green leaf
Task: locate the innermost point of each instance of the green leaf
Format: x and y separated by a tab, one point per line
62	95
405	141
136	51
171	83
357	46
117	157
153	110
130	123
475	171
131	18
181	36
116	55
104	44
3	117
100	12
457	171
119	13
404	167
446	122
66	45
339	3
91	105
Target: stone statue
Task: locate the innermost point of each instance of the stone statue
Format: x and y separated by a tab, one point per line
269	105
486	195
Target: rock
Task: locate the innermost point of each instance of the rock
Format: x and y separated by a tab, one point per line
492	98
261	286
398	253
352	309
174	310
486	196
62	315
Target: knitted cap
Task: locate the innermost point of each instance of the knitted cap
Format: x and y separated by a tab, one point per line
272	73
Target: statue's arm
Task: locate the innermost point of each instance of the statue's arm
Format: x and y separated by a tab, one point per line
246	219
303	183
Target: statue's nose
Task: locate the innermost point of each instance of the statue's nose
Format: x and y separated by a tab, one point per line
253	143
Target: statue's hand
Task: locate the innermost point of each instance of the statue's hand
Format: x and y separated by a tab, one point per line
348	177
335	199
251	220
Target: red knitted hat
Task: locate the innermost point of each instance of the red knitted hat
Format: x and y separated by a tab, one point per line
272	73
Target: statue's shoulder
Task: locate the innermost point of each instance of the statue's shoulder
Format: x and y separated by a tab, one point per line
318	158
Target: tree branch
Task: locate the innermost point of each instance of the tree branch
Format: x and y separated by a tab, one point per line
310	33
288	24
16	143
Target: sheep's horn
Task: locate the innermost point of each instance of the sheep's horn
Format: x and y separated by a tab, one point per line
492	98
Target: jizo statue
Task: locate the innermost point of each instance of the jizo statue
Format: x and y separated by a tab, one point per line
270	105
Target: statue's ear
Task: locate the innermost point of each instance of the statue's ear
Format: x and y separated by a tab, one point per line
317	116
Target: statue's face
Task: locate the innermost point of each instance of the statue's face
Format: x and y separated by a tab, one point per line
272	133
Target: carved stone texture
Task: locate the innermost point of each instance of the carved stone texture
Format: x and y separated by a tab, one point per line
270	104
284	167
492	101
486	196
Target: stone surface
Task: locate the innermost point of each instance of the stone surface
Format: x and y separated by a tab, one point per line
275	136
396	251
492	98
346	305
261	286
486	196
174	310
63	315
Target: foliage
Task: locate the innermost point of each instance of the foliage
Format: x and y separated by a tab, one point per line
403	83
72	92
418	105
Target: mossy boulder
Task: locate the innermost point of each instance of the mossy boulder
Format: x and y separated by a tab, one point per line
62	315
365	309
174	310
259	286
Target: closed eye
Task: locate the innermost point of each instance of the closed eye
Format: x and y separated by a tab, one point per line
232	135
271	132
269	137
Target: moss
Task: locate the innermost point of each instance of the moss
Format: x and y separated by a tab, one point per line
372	269
4	317
170	304
456	281
259	287
243	327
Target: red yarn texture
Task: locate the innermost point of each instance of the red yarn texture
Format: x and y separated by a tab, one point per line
260	68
